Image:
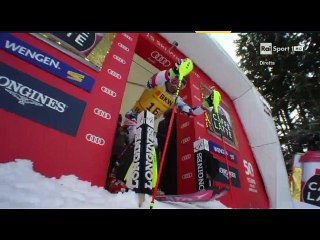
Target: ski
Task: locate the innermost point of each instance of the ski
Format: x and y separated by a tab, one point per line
200	196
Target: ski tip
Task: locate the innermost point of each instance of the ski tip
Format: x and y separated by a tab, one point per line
222	192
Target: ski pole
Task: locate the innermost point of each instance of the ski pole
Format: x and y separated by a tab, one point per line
185	68
216	102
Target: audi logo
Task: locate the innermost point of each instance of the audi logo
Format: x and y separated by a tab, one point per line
160	59
102	113
186	157
185	140
119	59
113	73
197	75
186	124
94	139
200	124
187	175
197	98
108	91
195	86
123	46
127	36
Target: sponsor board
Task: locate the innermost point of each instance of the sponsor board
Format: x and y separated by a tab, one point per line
225	124
311	191
83	42
141	173
44	61
219	150
35	100
223	175
201	180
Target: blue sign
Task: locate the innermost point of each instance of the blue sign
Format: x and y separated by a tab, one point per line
35	100
43	60
223	175
219	150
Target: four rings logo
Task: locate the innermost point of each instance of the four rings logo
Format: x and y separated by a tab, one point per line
108	91
186	124
187	175
195	86
186	157
102	113
197	98
160	59
185	140
123	46
94	139
196	74
127	36
200	124
114	74
119	59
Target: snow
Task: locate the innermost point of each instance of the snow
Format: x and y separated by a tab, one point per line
21	187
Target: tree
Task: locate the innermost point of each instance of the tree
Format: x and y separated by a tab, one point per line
290	81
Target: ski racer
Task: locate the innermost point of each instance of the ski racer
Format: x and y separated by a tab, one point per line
157	98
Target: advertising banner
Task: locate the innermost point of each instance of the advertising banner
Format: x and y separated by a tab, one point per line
44	61
223	175
87	47
35	100
83	42
140	173
311	191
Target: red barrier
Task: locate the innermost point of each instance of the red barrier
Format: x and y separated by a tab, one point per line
53	152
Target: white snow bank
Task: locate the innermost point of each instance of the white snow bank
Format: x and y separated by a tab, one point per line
21	187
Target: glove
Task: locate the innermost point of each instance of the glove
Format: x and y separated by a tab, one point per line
176	67
208	101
